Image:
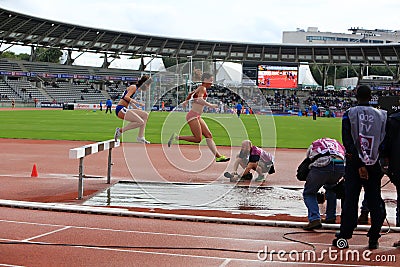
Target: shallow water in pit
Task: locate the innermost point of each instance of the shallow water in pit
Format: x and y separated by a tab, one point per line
233	198
223	197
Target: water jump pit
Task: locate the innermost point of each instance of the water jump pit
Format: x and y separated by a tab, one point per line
231	198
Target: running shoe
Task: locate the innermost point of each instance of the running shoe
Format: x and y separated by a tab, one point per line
246	177
260	178
142	140
222	158
171	139
233	177
117	134
228	175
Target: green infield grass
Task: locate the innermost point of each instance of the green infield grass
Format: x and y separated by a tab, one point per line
227	129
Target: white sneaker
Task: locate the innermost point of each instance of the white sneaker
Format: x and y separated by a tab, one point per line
142	140
117	134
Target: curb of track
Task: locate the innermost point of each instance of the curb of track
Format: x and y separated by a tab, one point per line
175	217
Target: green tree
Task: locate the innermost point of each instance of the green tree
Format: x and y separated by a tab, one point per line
169	62
8	54
345	72
23	56
48	54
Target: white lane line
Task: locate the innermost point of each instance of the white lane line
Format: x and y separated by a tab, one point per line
144	252
211	257
48	233
140	232
225	263
180	235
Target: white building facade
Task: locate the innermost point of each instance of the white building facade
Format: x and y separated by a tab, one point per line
358	35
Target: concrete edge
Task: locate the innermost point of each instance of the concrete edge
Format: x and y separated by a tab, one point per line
175	217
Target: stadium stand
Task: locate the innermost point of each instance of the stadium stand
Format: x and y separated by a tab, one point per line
26	81
380	82
7	93
42	67
26	91
6	65
81	84
69	92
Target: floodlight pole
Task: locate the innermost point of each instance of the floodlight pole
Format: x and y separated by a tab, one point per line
190	74
177	86
149	93
190	67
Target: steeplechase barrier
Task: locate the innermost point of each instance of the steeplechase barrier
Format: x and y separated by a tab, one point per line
83	151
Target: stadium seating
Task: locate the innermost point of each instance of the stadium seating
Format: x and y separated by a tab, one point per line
26	91
7	93
77	88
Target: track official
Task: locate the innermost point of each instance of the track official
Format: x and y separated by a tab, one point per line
363	131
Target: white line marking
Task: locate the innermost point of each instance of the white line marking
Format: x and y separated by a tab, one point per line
150	252
226	262
46	234
179	235
211	257
139	232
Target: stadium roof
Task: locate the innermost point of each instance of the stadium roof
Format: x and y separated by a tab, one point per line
21	29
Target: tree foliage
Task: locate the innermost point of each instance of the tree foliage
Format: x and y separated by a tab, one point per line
12	55
48	54
169	62
41	54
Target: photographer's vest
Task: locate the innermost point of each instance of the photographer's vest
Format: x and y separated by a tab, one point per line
368	131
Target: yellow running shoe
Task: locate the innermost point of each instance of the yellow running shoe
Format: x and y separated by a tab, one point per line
222	158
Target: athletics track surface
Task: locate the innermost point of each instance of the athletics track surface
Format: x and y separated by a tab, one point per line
42	237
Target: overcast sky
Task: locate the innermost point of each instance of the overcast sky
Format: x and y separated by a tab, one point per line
258	21
261	21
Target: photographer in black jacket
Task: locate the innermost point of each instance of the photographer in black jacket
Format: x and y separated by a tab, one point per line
391	154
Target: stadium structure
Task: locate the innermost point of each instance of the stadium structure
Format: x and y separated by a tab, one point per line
357	36
26	81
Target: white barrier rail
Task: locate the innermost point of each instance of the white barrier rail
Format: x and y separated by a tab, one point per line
83	151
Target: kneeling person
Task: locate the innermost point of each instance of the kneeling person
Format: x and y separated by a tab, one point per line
326	170
252	158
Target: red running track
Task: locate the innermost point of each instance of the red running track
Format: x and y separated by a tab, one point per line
48	238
